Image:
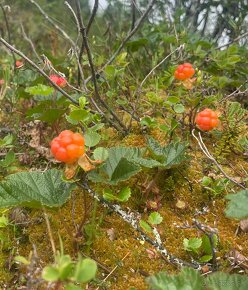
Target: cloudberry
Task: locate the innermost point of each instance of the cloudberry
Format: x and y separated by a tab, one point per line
207	119
184	71
68	146
19	63
58	80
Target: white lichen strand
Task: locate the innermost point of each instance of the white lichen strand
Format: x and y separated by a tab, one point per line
133	219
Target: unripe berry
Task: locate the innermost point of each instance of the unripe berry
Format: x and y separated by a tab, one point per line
68	146
207	120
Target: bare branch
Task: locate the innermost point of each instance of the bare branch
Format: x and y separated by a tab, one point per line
8	30
92	17
234	40
129	35
66	36
206	152
30	42
86	44
181	47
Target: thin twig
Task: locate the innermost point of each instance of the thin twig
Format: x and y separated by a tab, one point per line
181	47
12	48
206	152
105	279
92	17
8	31
125	40
234	40
49	232
87	47
30	42
66	36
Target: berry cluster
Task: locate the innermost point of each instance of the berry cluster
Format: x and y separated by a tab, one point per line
184	71
58	80
68	146
207	119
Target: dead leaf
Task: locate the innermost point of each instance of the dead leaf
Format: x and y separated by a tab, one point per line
70	170
85	164
111	234
238	259
188	83
244	225
152	254
180	204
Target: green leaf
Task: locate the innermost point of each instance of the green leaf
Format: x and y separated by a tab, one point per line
155	218
110	71
192	244
34	189
9	158
135	45
79	115
118	167
92	138
40	90
173	100
155	148
169	156
206	181
100	153
50	274
206	245
85	270
21	259
124	194
4	222
145	226
237	207
6	141
224	281
71	286
179	108
187	279
205	258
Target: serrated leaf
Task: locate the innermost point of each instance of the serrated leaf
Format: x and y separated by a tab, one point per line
124	194
237	207
100	153
188	279
224	281
155	218
85	270
171	155
117	167
192	244
155	148
34	189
